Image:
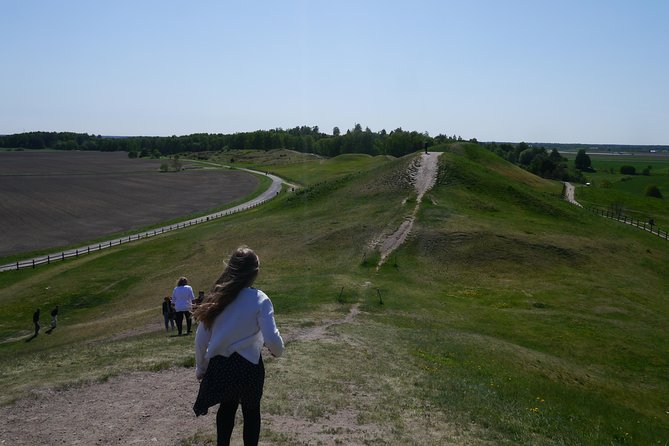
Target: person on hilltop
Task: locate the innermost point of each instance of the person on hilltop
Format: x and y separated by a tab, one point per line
182	298
36	322
168	313
200	298
54	317
236	320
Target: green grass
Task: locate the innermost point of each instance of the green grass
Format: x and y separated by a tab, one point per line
611	190
509	316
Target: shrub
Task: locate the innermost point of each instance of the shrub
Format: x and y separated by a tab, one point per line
627	170
653	191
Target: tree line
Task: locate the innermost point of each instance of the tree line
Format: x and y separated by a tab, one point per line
541	162
307	139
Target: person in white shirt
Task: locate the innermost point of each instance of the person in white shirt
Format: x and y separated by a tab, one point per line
235	321
182	299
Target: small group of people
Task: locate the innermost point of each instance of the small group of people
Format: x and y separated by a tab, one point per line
180	305
36	321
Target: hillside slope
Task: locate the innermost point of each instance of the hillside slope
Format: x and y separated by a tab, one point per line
508	316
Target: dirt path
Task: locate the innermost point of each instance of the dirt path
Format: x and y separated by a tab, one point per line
141	408
569	193
423	174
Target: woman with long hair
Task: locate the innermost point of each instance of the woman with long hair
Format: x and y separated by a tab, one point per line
182	299
235	321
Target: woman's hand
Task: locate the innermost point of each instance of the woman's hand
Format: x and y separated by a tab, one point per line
199	375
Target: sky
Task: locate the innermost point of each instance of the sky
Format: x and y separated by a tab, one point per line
584	71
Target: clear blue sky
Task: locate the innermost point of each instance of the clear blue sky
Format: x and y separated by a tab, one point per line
498	70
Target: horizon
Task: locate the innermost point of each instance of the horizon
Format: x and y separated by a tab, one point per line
343	131
519	71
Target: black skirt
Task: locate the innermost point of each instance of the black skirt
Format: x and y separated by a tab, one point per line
230	379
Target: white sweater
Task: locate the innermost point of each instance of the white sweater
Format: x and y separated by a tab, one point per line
182	298
243	327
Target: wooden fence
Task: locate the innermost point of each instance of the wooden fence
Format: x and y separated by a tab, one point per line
645	225
47	259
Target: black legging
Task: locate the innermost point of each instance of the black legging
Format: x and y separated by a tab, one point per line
179	317
225	422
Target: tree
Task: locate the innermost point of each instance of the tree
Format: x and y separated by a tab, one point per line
176	164
335	131
582	161
653	191
526	156
556	157
627	170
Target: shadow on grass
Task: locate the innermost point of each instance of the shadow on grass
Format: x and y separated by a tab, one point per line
32	337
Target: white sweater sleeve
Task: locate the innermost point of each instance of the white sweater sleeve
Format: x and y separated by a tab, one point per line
270	333
202	337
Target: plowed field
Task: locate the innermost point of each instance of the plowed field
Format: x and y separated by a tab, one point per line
54	199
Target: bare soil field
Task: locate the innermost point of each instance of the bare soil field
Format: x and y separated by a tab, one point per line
55	199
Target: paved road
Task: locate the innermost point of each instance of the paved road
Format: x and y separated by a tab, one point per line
267	195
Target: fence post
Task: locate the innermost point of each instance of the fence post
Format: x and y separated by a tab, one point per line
17	266
33	263
76	253
62	256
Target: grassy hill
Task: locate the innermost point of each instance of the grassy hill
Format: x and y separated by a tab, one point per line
508	316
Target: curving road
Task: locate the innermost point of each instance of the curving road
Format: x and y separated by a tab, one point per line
267	195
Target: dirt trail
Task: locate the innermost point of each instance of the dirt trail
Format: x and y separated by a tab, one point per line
321	331
423	174
141	408
569	193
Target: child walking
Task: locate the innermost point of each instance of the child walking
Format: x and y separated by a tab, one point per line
236	320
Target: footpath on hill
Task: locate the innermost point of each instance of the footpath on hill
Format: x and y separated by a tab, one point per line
145	408
423	172
569	194
141	408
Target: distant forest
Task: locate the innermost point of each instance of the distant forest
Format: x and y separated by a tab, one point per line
302	139
542	159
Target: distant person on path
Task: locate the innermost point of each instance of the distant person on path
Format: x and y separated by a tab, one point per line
36	322
236	320
182	298
168	313
54	317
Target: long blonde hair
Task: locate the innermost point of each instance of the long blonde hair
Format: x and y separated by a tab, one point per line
240	272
